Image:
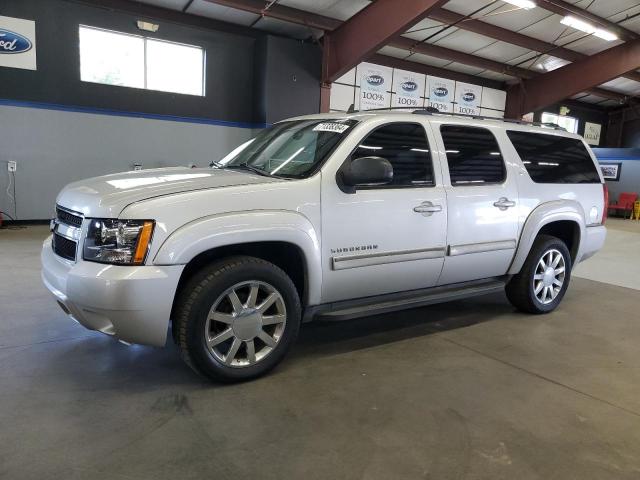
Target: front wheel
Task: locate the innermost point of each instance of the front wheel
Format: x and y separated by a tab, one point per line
237	319
544	277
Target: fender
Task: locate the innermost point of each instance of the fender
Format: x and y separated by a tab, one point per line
235	228
540	216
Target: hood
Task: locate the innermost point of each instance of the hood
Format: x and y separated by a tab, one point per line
108	195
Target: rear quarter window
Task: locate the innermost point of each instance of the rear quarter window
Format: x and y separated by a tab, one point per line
553	158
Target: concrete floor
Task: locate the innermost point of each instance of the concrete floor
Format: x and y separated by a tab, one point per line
466	390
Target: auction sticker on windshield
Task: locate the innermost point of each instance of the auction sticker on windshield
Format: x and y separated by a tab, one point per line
331	127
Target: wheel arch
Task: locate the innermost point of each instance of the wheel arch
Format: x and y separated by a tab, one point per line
286	239
561	219
566	230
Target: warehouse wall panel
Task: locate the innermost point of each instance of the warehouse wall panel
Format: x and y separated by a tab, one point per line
53	148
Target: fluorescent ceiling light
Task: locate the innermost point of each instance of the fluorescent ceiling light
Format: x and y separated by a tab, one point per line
526	4
605	35
586	27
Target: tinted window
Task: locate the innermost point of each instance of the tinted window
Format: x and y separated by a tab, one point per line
554	159
405	146
473	155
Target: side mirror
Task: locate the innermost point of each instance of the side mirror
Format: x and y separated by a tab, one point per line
367	171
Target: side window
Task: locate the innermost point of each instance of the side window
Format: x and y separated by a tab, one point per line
405	146
473	155
554	159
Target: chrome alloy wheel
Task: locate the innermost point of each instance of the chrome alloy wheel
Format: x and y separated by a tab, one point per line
245	323
549	276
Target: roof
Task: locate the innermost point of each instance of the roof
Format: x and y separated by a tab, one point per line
411	116
514	42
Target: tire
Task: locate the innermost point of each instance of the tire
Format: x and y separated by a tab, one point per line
533	291
237	318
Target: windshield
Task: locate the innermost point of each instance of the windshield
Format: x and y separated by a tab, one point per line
290	149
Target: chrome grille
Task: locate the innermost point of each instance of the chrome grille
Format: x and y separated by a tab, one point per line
68	218
64	247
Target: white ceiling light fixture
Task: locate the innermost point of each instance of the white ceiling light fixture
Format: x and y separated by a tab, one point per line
586	27
147	26
605	35
526	4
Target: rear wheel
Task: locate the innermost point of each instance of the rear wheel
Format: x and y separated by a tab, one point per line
544	277
237	319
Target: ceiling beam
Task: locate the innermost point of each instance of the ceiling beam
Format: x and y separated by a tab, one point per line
369	30
444	53
498	33
606	94
533	94
282	12
484	63
394	62
563	8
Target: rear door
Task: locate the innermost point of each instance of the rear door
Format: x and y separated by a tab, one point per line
482	200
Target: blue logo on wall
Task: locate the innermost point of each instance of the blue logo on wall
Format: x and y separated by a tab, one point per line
441	92
409	86
469	97
11	42
375	80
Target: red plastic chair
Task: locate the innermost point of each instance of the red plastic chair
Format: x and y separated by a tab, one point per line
625	202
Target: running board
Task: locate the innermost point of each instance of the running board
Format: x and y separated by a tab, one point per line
350	309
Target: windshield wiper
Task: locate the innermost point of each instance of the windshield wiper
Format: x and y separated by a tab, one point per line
242	166
246	166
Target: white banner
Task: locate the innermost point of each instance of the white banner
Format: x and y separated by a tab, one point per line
17	43
440	93
374	83
408	88
468	98
592	133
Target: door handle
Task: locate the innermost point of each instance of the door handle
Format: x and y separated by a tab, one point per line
427	208
504	203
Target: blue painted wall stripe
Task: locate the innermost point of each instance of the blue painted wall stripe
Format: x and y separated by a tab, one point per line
616	154
122	113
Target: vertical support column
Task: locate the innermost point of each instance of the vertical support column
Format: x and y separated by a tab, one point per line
515	100
325	85
325	97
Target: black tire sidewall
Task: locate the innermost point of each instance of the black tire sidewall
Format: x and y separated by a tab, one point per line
225	275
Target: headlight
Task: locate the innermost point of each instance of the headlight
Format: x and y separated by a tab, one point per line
122	242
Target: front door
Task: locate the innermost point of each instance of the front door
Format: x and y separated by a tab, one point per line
390	238
482	199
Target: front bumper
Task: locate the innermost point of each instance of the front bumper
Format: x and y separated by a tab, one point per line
130	303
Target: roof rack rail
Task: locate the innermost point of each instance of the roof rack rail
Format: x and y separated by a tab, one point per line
433	110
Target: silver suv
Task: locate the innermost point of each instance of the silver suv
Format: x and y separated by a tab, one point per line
324	216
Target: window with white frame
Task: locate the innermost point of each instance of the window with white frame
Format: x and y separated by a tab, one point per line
570	124
127	60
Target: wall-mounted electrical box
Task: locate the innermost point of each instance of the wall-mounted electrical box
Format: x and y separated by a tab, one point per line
12	166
